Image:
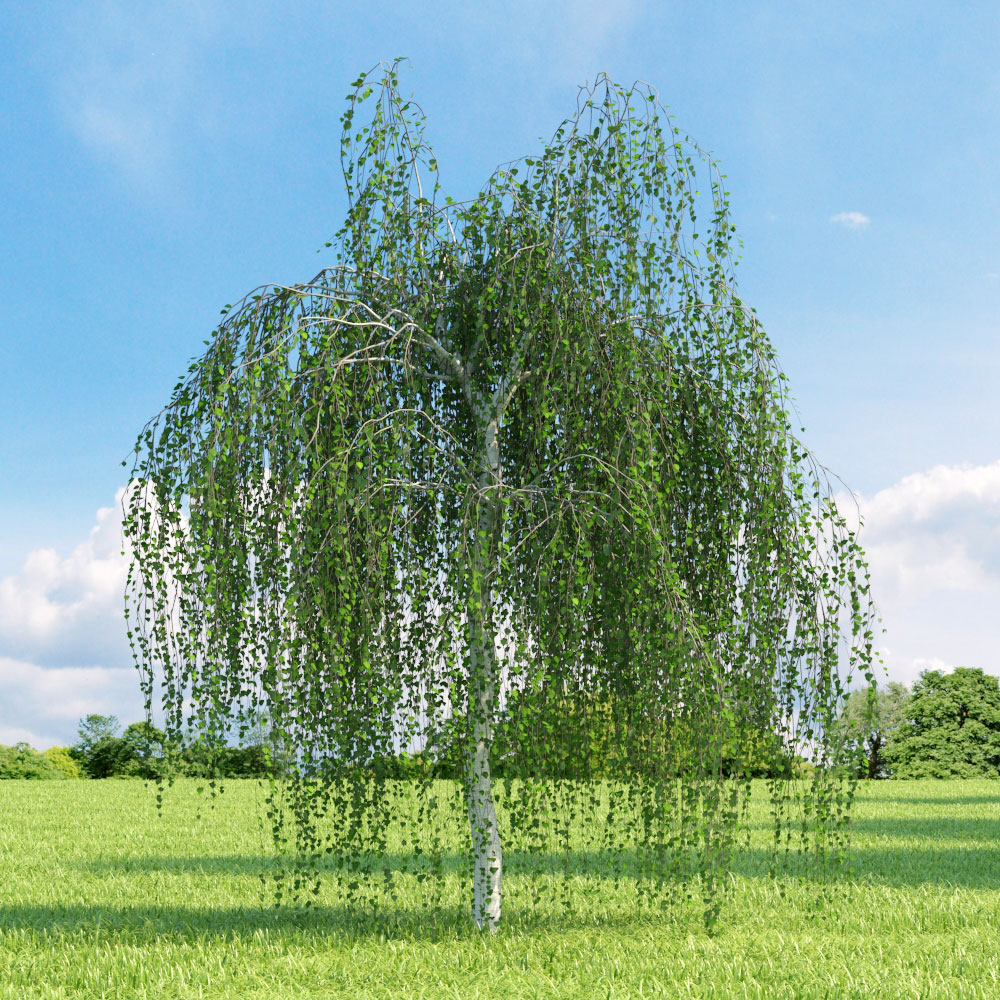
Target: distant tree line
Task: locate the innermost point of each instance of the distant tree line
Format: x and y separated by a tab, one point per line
947	726
143	751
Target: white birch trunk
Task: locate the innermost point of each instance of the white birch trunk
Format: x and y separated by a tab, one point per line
487	880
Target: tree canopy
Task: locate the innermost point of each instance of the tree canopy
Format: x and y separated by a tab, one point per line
870	716
532	441
950	727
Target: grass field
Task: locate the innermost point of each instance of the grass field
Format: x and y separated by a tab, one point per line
101	897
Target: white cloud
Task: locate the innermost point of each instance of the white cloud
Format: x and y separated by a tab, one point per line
938	529
933	543
43	705
69	610
851	220
63	648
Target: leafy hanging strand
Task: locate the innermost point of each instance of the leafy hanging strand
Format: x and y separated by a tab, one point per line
512	484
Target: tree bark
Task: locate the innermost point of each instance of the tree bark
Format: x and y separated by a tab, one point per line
487	879
875	756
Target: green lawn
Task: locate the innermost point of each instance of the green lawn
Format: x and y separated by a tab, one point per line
101	897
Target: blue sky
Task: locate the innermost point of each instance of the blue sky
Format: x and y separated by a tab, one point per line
160	161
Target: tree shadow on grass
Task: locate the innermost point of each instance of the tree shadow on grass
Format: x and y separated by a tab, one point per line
971	865
945	800
955	865
929	828
144	925
421	920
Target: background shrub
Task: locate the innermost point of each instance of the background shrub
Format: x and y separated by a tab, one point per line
63	762
22	761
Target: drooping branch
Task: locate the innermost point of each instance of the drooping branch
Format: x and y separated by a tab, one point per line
542	400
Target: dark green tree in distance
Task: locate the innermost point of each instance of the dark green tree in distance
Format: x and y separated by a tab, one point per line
144	751
98	749
102	753
950	727
871	715
530	441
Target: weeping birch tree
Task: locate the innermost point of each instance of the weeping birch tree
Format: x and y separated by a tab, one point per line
526	451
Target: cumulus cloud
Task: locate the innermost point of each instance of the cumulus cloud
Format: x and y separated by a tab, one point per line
937	530
42	705
933	543
68	610
63	646
850	220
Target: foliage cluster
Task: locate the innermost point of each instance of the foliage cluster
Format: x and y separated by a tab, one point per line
23	761
590	748
598	736
948	726
539	421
